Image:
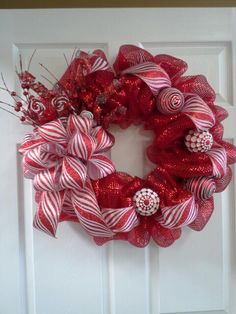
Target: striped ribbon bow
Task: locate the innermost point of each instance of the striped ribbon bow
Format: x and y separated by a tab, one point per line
61	158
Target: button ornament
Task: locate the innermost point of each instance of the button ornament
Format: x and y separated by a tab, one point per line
199	141
146	202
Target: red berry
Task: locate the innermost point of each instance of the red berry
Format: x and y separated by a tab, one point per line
13	93
25	93
25	86
19	104
22	118
17	108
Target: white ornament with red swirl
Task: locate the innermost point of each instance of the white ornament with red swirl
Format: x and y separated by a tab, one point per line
170	101
36	106
60	102
146	202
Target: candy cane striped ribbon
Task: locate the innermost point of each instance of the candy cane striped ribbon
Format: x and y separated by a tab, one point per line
199	112
48	212
99	64
218	157
88	211
120	219
152	74
179	215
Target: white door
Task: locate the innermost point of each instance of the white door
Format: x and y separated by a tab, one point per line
71	275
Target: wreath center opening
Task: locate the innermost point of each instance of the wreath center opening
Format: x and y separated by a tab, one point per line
129	151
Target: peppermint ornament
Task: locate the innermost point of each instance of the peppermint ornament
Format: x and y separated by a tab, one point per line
202	187
146	202
199	141
170	101
60	102
36	106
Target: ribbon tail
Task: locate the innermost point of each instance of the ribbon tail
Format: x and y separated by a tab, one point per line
120	219
179	215
88	212
48	212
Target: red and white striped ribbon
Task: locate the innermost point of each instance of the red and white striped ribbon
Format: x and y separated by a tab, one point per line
120	219
86	207
78	124
199	112
99	166
179	215
99	64
218	157
48	212
103	140
82	146
152	74
53	131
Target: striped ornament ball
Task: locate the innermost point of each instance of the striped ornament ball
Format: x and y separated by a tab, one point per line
170	101
202	187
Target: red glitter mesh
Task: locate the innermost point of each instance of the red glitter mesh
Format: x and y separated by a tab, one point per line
222	183
204	213
165	237
173	66
130	55
230	150
197	85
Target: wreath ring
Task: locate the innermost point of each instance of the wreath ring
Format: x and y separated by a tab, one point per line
64	155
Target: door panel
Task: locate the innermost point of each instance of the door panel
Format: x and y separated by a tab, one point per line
70	274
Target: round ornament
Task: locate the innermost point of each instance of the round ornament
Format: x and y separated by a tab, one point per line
60	103
170	101
199	141
202	187
146	202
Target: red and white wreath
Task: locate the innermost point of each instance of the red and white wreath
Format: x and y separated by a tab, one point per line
74	180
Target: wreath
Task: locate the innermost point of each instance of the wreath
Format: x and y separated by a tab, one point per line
75	181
